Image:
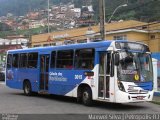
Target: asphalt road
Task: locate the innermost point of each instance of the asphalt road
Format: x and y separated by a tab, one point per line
15	102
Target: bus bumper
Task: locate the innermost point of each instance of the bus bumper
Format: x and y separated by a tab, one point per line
123	97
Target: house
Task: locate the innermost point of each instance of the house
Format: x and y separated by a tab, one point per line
36	24
33	15
77	12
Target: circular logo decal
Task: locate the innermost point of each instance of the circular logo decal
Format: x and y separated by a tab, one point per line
136	77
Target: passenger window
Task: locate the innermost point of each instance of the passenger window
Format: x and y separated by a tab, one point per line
84	58
32	60
23	60
65	59
15	60
9	61
53	57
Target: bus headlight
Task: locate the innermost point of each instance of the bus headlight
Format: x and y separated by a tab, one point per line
120	86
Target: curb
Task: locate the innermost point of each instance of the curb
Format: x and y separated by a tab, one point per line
2	83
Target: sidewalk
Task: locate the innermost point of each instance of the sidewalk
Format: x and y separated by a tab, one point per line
156	98
2	82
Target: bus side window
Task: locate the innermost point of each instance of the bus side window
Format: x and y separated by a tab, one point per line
32	60
23	60
53	58
84	58
15	60
9	61
65	59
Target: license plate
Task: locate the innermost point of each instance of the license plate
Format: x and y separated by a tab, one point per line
140	97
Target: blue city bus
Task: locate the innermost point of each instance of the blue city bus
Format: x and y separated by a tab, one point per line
109	71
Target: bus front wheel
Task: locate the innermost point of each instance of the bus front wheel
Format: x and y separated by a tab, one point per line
87	97
27	88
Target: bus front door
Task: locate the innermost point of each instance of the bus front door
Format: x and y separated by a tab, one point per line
104	75
44	72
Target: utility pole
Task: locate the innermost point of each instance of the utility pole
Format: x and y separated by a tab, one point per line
48	17
102	18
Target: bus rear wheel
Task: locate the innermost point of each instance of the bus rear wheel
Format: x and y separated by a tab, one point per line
87	97
27	88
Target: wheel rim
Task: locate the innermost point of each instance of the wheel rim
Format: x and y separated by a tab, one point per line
85	96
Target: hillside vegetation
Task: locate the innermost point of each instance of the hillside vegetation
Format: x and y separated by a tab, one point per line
144	10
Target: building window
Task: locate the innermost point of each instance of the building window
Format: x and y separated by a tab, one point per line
120	37
66	42
144	27
82	41
53	44
36	45
46	45
152	37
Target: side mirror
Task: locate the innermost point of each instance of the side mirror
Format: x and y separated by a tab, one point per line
116	59
147	59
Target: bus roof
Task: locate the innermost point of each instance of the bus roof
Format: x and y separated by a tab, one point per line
64	47
100	44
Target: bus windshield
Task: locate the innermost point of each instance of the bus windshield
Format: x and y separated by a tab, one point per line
135	67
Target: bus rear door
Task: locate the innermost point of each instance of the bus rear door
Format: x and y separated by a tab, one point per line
44	72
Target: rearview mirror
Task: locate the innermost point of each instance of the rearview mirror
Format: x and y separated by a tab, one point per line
116	59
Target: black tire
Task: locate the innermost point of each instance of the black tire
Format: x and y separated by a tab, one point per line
87	97
79	96
27	88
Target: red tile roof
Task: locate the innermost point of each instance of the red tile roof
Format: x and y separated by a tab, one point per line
5	48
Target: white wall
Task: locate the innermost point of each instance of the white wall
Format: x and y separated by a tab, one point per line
155	86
